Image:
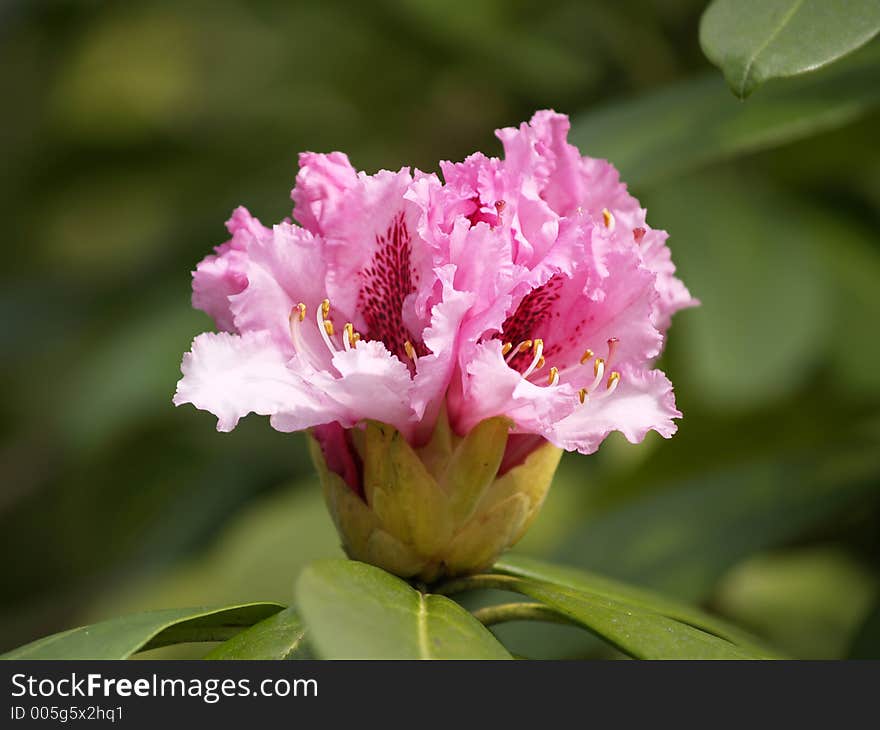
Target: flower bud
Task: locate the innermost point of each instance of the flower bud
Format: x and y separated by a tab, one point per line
450	507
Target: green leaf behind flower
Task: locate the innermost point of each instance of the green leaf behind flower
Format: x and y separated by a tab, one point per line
753	41
356	611
696	122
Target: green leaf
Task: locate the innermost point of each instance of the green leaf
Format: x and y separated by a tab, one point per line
119	638
753	41
590	583
281	636
696	122
638	632
356	611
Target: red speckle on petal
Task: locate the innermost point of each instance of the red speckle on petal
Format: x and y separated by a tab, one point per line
638	234
531	314
387	281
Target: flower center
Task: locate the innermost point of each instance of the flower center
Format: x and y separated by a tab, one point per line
530	353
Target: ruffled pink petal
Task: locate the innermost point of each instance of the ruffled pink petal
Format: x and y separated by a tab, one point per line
223	274
493	388
434	370
377	268
283	268
321	186
233	375
673	294
371	384
643	401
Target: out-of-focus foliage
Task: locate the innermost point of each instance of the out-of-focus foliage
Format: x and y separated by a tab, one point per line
132	130
753	41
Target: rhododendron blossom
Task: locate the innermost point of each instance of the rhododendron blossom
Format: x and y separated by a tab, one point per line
515	306
529	286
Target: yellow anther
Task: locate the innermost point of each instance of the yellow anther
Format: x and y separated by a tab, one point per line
355	338
586	356
540	363
349	333
537	344
325	308
582	395
608	218
300	309
328	327
613	380
506	347
410	350
553	375
525	346
600	363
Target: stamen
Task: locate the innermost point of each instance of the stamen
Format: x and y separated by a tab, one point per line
523	346
608	218
582	395
599	371
540	363
553	379
411	351
538	349
506	347
613	380
325	326
612	347
348	340
586	356
300	345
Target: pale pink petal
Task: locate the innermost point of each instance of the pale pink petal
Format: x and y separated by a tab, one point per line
372	384
223	274
673	294
434	370
643	401
321	185
493	388
233	375
284	268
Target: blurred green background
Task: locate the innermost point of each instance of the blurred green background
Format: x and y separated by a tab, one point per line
130	131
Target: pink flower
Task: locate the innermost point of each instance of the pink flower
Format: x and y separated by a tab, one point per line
529	287
336	321
573	291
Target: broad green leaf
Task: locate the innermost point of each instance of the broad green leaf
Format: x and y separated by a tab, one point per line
590	583
357	611
119	638
753	41
696	122
281	636
635	631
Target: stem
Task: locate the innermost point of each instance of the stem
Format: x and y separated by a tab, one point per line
476	582
504	612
